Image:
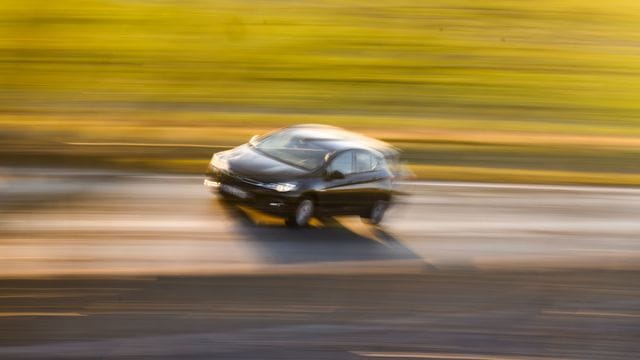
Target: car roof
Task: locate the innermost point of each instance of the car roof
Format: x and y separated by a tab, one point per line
337	139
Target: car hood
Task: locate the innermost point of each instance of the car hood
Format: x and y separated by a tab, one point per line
246	161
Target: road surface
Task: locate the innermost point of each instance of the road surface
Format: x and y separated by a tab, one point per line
129	266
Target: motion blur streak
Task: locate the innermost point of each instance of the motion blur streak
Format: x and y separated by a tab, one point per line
408	355
34	314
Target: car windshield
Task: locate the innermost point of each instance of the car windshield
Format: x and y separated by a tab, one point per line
294	150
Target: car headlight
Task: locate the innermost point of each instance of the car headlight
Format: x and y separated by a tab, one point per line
281	187
219	162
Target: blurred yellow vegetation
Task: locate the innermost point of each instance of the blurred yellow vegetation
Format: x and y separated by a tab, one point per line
437	78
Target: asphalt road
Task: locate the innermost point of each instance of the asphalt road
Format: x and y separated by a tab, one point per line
129	266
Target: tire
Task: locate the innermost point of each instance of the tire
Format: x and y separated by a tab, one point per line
303	213
376	212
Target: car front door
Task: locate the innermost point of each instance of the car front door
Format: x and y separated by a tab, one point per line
337	195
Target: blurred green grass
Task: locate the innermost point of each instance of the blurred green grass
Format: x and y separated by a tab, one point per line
545	86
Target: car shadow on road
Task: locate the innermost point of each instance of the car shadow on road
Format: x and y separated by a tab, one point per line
327	240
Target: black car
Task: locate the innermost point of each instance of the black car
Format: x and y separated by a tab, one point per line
308	170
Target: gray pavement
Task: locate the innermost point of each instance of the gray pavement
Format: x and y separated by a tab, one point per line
93	223
100	265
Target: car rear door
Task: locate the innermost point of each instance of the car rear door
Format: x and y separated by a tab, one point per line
370	180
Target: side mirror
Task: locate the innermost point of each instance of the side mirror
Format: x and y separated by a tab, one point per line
253	139
335	174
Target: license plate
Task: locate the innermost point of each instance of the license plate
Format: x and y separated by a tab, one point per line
234	191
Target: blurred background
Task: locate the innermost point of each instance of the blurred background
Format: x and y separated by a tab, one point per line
514	91
111	248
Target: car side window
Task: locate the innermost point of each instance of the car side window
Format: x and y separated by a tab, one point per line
342	163
365	161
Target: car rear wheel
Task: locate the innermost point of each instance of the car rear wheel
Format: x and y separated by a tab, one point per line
376	213
304	212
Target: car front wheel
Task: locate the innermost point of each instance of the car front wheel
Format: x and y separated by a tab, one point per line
304	212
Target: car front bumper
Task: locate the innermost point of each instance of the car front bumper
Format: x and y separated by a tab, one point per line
233	188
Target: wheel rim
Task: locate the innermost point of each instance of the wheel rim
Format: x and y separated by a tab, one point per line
305	210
